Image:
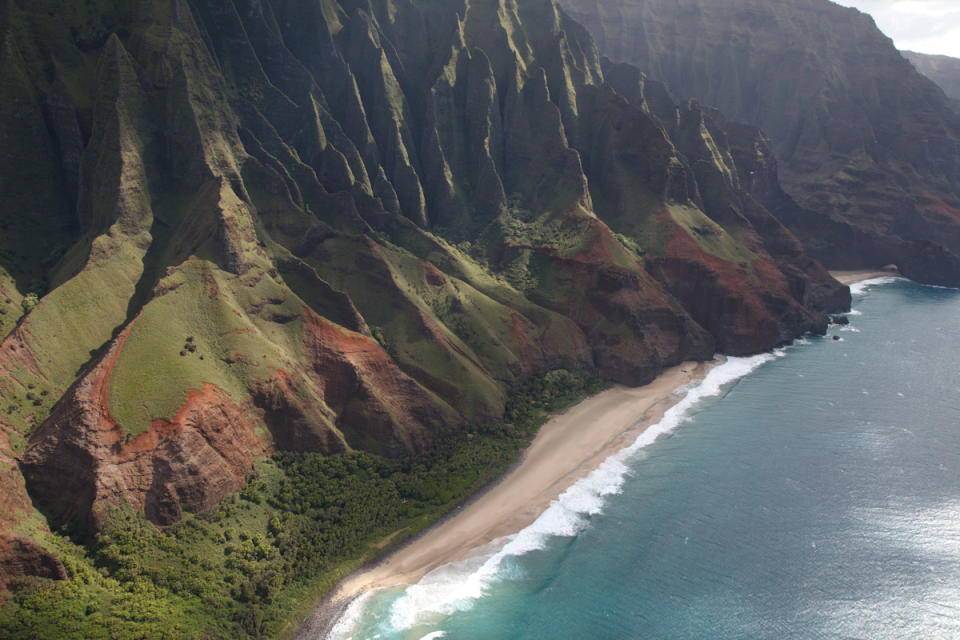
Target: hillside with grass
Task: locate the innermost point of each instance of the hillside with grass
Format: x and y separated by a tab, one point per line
255	244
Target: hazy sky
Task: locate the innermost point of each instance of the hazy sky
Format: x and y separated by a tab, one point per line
927	26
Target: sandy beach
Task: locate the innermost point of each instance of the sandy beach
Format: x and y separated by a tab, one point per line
851	277
568	447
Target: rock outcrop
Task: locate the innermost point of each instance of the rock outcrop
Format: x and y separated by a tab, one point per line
185	463
23	558
15	504
869	149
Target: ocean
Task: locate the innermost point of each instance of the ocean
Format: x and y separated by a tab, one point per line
812	492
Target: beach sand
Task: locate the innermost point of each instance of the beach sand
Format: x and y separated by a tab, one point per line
851	277
568	447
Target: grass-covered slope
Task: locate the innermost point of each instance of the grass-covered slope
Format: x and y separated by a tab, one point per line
290	225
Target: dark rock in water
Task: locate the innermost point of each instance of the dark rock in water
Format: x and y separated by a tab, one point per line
837	338
840	320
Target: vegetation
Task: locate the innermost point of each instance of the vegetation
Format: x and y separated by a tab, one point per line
711	237
246	568
198	334
201	213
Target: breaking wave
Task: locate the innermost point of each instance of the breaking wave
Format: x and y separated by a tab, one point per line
863	286
456	587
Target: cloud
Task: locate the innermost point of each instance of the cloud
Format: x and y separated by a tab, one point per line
927	26
928	8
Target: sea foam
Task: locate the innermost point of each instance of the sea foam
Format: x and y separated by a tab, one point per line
858	288
351	616
456	587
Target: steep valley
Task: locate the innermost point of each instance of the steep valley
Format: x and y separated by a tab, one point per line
258	255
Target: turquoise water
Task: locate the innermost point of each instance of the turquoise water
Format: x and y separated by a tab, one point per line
810	493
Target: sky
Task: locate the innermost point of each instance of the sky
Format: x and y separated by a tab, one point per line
926	26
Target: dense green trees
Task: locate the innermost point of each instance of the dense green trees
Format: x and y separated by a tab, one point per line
241	569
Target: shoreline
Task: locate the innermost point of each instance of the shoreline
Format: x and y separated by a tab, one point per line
859	275
608	422
566	448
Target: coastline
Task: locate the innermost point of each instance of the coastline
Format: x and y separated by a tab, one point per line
859	275
567	448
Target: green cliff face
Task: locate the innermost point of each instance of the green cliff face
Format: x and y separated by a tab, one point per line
865	142
236	228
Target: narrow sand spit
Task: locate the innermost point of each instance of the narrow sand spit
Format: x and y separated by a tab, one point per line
567	448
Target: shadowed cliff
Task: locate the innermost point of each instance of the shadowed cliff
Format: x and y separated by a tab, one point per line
869	149
943	70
